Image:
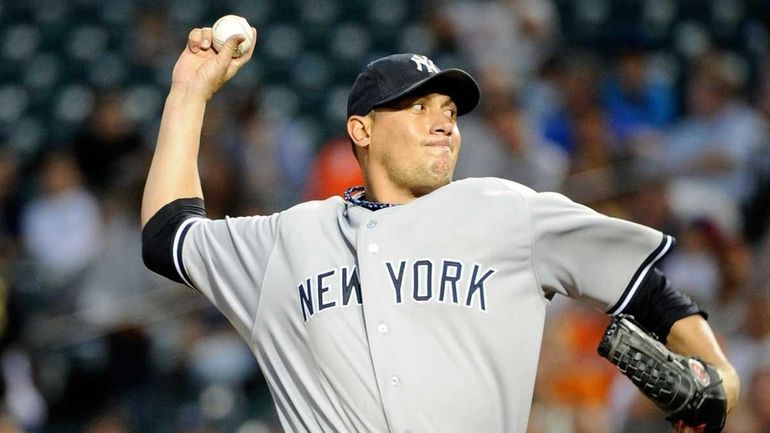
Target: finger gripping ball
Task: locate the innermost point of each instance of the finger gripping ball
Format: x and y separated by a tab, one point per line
230	25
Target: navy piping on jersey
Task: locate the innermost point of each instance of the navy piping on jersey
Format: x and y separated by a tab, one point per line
177	250
665	246
656	305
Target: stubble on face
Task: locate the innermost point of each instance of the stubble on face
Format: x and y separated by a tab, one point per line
415	150
421	175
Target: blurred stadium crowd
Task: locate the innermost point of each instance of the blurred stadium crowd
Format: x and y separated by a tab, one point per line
651	110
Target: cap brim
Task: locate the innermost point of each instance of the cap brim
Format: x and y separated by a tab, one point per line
456	83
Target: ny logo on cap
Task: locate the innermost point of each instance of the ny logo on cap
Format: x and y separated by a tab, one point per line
421	61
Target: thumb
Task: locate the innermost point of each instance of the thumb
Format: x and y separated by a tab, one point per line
230	48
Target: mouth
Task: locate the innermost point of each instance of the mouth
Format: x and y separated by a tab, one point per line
442	143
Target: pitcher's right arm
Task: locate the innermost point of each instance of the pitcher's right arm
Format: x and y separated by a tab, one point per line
198	74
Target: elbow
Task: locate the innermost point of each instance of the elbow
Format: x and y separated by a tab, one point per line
152	251
157	249
159	236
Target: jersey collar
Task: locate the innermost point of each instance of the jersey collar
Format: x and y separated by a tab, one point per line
355	195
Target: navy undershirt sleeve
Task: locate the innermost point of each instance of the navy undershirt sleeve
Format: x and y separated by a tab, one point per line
656	305
158	235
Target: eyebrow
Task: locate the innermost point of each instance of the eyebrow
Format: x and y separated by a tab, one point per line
448	101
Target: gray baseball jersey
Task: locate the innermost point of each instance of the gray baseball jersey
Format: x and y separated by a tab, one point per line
424	317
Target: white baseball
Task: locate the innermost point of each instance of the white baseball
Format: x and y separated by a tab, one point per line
228	26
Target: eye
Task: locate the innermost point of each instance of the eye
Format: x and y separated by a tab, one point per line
451	113
418	107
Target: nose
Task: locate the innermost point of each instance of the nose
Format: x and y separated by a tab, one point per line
441	124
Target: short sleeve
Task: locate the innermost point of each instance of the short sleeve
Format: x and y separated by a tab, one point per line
584	254
226	261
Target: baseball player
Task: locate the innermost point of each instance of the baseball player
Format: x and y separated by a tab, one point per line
413	304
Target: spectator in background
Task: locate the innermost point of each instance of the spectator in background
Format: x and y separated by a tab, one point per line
565	401
578	86
735	289
21	398
274	157
541	96
334	170
8	425
507	146
756	211
150	41
649	205
62	225
117	292
694	264
750	346
595	164
217	164
709	152
9	202
759	391
109	423
107	139
640	104
639	415
513	36
21	404
256	149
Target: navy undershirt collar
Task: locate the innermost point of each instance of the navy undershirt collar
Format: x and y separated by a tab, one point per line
354	195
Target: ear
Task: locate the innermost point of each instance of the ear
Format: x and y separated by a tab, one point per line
359	130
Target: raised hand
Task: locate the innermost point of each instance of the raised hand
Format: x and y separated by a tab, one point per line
202	70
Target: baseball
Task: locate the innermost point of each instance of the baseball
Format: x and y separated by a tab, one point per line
228	26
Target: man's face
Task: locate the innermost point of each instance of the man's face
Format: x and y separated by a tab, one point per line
415	143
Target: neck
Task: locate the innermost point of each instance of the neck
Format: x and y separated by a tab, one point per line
397	187
380	188
388	194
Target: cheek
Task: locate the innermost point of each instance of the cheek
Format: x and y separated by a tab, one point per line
391	141
457	139
403	140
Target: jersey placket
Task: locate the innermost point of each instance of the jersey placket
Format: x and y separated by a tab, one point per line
372	245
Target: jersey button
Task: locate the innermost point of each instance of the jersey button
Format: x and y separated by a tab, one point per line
371	224
382	328
394	380
373	248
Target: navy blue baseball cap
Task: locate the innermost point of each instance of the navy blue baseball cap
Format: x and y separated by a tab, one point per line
390	78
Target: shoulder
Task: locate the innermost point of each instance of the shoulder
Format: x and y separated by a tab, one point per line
492	186
486	192
308	209
508	194
319	208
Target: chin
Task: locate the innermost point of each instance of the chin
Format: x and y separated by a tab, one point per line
438	182
442	172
